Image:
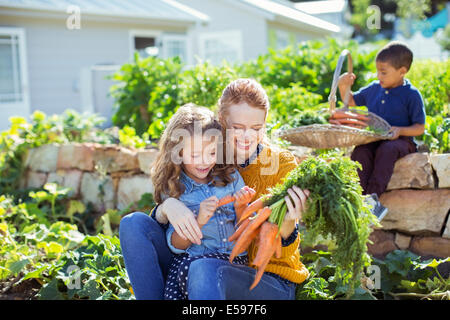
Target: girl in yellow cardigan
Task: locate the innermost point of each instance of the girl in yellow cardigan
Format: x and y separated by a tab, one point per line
243	109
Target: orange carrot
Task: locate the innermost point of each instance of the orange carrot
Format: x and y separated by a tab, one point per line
278	247
226	200
248	234
239	230
267	243
261	269
243	245
252	207
353	121
332	121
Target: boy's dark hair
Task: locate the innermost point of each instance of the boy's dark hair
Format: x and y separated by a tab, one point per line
397	54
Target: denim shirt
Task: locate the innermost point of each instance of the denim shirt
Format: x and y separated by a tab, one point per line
220	226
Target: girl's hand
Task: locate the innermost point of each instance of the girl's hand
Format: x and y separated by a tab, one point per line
244	196
296	203
182	219
207	209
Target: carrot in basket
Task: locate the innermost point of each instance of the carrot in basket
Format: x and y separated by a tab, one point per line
267	243
248	234
226	200
333	121
252	207
349	122
353	121
347	114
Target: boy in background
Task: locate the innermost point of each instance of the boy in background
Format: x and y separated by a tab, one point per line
397	101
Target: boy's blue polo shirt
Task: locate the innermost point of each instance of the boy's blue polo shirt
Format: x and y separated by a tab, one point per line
401	106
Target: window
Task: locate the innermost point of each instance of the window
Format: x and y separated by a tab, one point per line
219	46
145	42
10	77
280	39
146	46
14	97
155	43
174	45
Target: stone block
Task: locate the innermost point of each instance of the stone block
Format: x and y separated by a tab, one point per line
413	171
131	189
441	165
76	156
418	212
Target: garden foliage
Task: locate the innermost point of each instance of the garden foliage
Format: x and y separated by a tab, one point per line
54	241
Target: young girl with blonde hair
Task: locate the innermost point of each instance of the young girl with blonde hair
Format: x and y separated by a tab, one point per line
187	168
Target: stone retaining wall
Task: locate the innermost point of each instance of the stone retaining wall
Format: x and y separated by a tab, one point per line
107	176
418	199
110	176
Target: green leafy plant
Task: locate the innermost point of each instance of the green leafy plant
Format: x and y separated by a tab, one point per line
405	276
286	101
95	271
433	81
310	65
203	84
436	135
76	126
146	93
129	138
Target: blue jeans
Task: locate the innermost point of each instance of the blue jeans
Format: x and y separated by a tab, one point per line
147	258
146	255
216	279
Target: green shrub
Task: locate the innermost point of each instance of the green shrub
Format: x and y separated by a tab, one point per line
147	93
432	79
311	65
204	83
284	102
436	135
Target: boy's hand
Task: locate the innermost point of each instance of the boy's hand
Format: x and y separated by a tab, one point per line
207	209
395	133
347	79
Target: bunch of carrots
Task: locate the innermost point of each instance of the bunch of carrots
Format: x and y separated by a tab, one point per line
335	210
263	228
348	118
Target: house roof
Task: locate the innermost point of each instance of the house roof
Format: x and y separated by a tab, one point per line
286	10
324	6
149	9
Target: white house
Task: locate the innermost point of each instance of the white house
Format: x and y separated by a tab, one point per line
333	11
54	55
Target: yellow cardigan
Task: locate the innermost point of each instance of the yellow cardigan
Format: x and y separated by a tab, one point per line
268	169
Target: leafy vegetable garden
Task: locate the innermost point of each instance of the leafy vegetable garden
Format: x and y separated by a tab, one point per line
54	247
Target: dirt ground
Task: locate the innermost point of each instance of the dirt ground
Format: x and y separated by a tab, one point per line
12	290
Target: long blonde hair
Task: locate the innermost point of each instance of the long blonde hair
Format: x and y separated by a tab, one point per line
165	172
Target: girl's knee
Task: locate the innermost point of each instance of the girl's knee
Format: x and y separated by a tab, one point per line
132	219
134	223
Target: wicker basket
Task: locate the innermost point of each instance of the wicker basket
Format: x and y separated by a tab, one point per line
326	136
